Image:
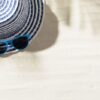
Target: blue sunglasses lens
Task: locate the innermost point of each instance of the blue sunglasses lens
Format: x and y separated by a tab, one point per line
21	42
3	48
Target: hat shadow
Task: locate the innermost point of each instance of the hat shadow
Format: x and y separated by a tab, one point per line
48	33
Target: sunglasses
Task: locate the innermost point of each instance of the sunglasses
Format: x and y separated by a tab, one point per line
18	43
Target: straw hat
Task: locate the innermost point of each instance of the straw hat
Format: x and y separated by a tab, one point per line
19	18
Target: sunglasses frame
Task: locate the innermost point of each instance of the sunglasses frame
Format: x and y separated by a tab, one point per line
8	43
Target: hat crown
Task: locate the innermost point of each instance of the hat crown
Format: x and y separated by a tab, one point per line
7	9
